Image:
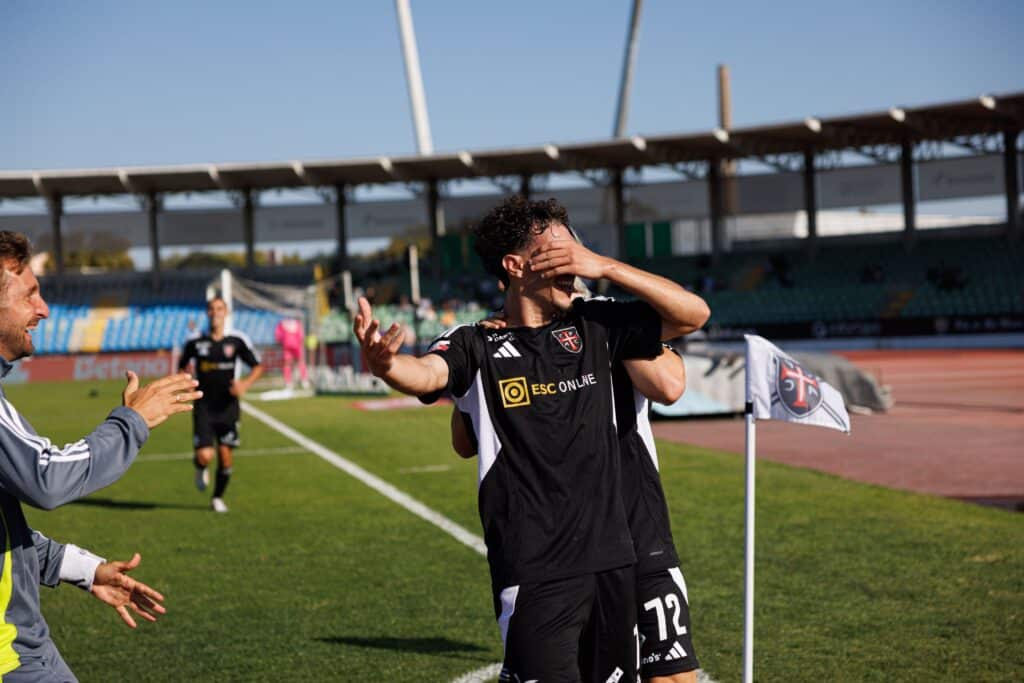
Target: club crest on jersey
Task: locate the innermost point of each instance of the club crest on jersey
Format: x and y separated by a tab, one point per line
569	338
798	390
229	350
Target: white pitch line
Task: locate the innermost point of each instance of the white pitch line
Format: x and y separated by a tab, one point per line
425	468
480	675
374	482
391	493
188	455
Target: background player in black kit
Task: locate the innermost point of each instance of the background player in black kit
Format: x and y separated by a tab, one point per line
215	416
540	396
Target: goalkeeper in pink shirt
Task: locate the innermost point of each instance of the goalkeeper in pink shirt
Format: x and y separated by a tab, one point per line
290	336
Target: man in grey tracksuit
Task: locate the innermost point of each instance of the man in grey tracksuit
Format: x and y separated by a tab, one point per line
35	471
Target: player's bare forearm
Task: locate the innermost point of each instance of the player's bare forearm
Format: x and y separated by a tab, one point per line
251	378
241	386
416	376
662	380
681	311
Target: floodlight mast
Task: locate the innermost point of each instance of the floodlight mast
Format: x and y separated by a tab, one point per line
628	65
414	78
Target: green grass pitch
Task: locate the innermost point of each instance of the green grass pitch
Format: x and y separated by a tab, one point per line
313	576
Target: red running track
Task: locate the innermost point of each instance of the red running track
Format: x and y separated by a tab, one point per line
956	429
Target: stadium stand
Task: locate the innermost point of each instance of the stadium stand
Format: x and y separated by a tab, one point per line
944	274
939	277
121	311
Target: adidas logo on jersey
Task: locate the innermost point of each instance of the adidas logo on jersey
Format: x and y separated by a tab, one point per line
677	652
506	350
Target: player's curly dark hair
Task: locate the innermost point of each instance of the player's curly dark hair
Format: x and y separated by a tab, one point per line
510	226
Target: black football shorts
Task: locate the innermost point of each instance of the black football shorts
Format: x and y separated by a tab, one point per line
209	427
582	628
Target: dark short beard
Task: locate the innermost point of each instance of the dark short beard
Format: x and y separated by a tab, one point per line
14	343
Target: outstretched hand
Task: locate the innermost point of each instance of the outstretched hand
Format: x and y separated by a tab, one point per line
379	351
162	398
568	257
113	586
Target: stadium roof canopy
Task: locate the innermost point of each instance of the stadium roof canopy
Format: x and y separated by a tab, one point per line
985	115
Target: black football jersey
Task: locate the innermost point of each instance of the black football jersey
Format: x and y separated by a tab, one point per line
216	364
642	493
540	403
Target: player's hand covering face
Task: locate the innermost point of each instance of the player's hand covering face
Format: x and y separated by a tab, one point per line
553	291
560	257
557	260
379	351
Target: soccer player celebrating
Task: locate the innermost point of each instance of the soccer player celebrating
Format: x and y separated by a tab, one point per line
215	417
539	396
666	640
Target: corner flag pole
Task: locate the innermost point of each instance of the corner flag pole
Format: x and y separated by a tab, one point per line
748	574
778	388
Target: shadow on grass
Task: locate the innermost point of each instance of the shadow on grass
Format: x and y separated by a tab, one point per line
423	645
135	504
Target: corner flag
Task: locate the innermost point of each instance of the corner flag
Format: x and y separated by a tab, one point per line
781	389
778	388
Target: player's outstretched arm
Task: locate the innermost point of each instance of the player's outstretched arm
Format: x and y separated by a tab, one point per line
405	373
681	311
161	398
45	475
662	380
113	586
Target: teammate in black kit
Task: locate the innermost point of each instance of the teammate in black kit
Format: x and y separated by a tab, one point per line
215	416
540	397
663	612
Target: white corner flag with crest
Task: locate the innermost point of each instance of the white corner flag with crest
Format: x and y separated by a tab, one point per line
778	388
781	389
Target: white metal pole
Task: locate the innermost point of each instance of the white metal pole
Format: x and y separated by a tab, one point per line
346	289
748	588
415	79
628	66
414	274
225	293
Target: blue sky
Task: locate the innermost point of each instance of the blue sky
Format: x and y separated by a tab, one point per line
88	84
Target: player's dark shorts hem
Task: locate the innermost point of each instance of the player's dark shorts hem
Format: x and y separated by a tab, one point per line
663	621
667	668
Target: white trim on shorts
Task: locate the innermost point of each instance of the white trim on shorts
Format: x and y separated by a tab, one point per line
677	575
508	608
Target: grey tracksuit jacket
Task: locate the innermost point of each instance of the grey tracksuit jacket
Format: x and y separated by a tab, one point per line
37	472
